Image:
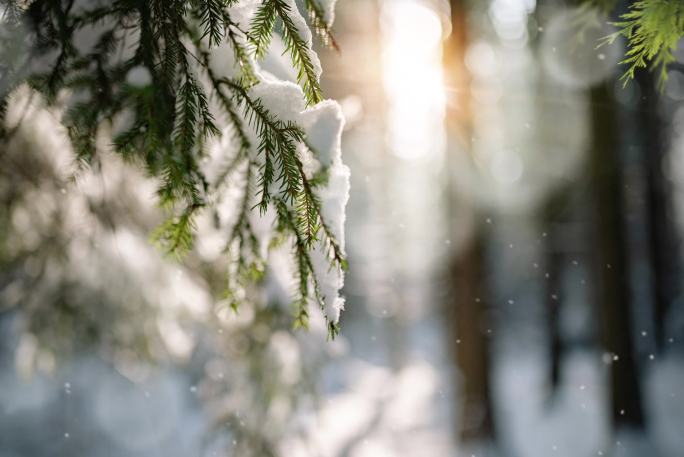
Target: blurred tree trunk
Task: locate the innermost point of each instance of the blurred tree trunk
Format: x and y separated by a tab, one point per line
467	308
553	261
611	284
470	341
663	248
550	220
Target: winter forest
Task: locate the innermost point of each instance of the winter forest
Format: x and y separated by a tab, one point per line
355	228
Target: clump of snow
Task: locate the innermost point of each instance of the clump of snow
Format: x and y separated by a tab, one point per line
328	7
323	124
242	12
334	200
283	99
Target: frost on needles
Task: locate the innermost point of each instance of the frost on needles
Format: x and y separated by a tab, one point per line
178	85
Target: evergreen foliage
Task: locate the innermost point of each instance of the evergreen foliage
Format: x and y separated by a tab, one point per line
320	24
262	28
170	114
652	29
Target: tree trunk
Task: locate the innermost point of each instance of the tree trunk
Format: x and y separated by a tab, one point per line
553	261
611	285
471	343
467	308
661	231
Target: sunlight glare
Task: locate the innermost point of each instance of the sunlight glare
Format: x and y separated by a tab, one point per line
413	81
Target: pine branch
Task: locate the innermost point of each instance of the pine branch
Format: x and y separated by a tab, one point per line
249	264
169	118
299	53
652	29
225	102
211	16
261	29
322	27
175	235
302	260
299	50
241	54
310	214
276	146
307	282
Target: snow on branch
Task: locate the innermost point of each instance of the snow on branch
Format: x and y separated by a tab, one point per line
179	85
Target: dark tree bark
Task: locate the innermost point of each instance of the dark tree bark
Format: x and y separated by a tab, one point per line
553	261
466	304
609	250
663	247
471	342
